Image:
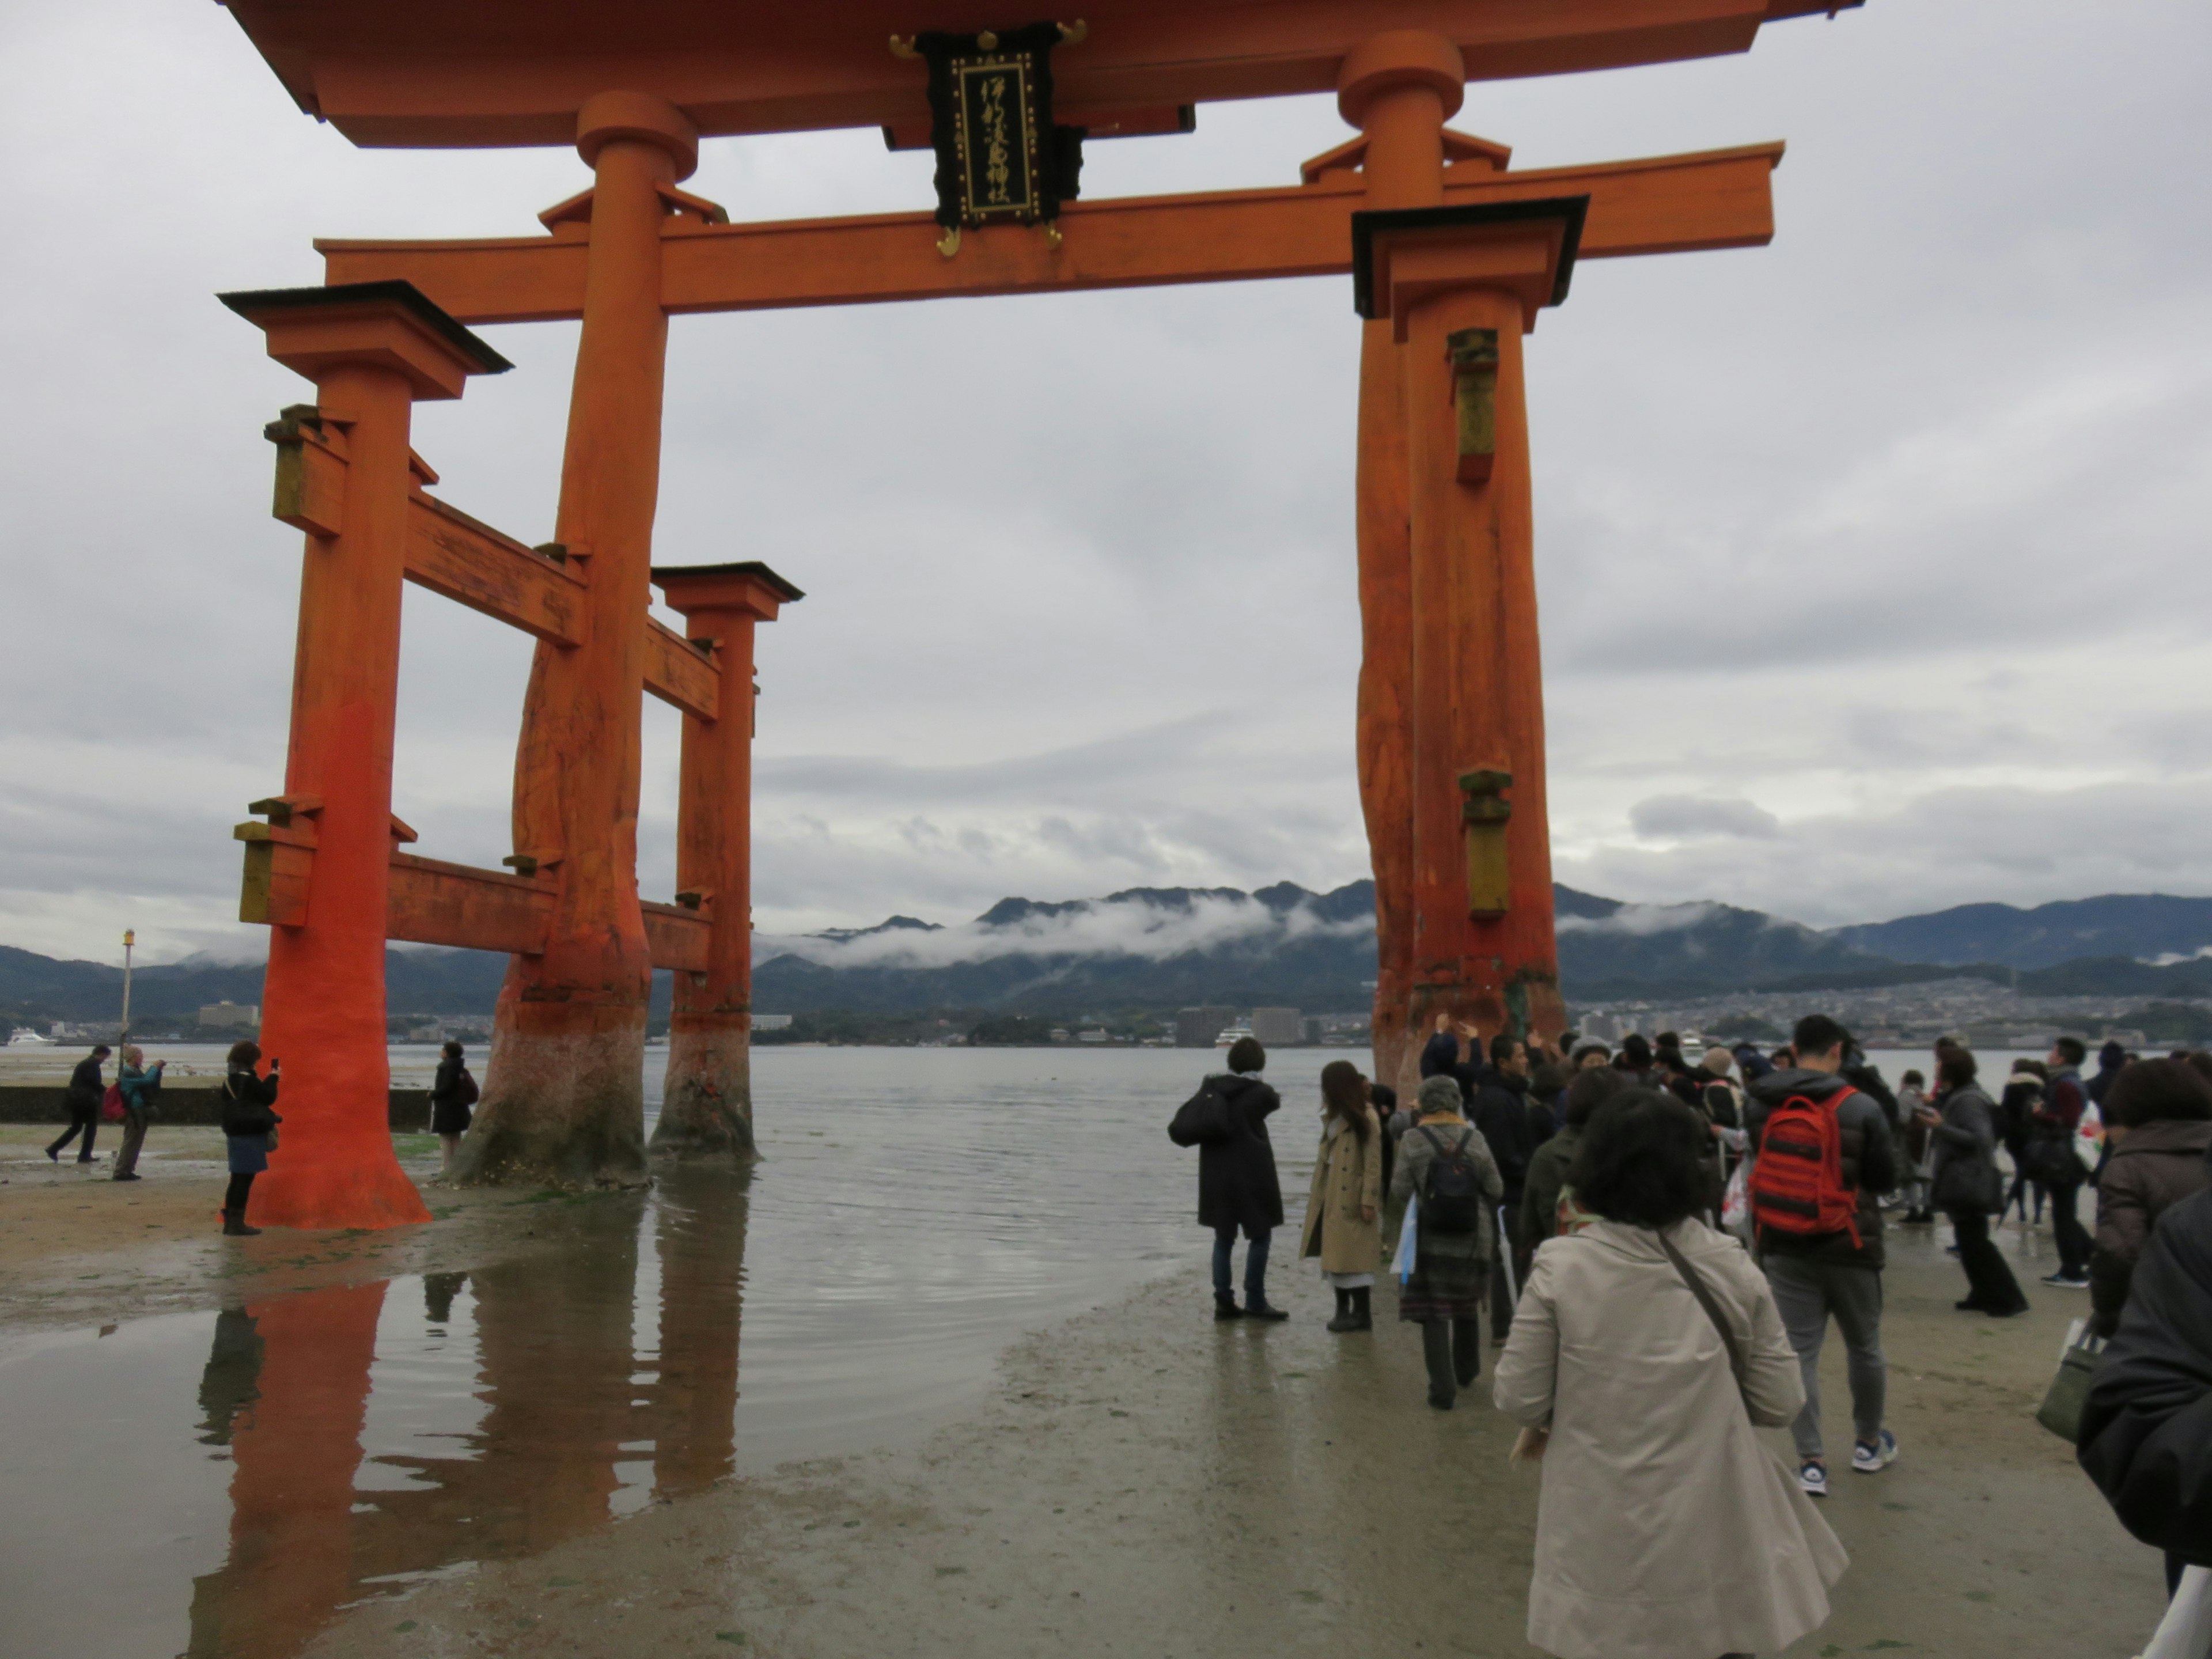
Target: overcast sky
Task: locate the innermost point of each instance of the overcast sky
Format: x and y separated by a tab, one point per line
1872	564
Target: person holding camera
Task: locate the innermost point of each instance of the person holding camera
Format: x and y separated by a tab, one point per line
249	1129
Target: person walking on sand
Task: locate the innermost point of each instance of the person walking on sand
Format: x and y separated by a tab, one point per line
139	1086
1648	1352
2023	1093
86	1090
1967	1185
1816	1220
1498	1106
1347	1187
1918	1147
249	1129
2051	1157
1444	1165
1237	1186
452	1098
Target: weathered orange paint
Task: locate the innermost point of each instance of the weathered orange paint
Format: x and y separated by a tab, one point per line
564	1097
1477	678
425	72
1399	89
1663	204
323	1005
707	1108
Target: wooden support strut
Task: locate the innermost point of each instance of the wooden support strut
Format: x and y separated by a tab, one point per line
1666	204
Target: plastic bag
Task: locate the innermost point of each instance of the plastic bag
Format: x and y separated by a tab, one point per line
1408	1242
1735	1201
2090	1137
2185	1632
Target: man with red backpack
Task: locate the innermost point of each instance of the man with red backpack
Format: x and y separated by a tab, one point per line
1823	1160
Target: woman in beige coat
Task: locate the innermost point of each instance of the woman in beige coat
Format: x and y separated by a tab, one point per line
1664	1530
1347	1186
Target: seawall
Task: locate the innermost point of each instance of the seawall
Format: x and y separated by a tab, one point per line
45	1102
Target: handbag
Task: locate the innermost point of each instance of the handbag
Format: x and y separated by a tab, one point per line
2060	1411
111	1104
1970	1183
1204	1120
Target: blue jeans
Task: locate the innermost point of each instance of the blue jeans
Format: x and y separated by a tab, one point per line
1256	1263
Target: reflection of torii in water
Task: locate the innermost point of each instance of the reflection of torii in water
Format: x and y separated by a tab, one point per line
287	1387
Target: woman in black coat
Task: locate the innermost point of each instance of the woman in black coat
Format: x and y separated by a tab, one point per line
249	1124
452	1094
1967	1186
1237	1186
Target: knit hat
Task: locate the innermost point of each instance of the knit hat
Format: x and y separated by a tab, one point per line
1438	1095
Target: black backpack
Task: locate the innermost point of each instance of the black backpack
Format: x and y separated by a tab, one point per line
1451	1197
465	1088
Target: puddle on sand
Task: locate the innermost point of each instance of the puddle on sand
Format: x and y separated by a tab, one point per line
217	1485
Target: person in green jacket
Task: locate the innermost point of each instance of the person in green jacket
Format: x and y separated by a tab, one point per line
139	1082
1549	1164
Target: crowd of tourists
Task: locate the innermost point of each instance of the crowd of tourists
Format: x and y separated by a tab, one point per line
1661	1244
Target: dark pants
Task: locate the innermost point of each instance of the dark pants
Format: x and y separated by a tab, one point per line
134	1137
83	1120
1989	1284
2020	1184
1255	1264
235	1195
2073	1236
1501	1298
1453	1350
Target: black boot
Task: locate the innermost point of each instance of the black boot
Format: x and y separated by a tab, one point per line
1466	1351
233	1225
1435	1350
1257	1306
1344	1321
1362	1313
1224	1307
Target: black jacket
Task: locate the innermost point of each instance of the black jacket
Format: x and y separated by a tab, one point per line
1439	1054
246	1100
1499	1108
2147	1429
1237	1183
1869	1164
85	1087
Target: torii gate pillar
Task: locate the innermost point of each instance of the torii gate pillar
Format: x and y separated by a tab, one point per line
707	1104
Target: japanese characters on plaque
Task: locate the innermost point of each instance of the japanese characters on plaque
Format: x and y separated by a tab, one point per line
999	155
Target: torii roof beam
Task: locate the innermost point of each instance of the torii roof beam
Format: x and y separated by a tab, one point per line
414	73
1675	204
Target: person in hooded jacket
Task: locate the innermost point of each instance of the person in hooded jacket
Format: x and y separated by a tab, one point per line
2016	1110
1341	1226
2158	1120
1548	1167
1819	1276
452	1097
249	1119
2111	1060
1963	1141
2146	1436
1237	1186
1451	1271
1648	1353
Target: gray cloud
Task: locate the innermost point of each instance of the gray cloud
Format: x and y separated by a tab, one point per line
1686	818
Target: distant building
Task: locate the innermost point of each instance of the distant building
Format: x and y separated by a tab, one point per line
779	1022
1096	1034
1059	1035
1278	1028
1196	1028
1311	1028
241	1016
1601	1028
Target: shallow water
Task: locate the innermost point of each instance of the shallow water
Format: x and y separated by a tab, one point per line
218	1484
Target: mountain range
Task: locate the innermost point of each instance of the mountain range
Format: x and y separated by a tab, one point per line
1159	948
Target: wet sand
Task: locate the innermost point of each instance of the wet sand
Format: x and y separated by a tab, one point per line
1141	1481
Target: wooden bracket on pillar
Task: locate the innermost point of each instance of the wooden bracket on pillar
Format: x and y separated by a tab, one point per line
1484	817
1473	356
538	861
311	468
1403	256
280	860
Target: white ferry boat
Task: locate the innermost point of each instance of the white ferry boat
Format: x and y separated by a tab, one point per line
25	1038
1229	1037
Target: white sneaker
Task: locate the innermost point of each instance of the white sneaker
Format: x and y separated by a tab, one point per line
1874	1459
1813	1478
2063	1283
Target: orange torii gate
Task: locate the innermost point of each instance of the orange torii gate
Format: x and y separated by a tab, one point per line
1452	255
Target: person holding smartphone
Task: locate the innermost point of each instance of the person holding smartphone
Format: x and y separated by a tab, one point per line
249	1129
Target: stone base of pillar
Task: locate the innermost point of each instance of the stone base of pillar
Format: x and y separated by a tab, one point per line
707	1105
564	1101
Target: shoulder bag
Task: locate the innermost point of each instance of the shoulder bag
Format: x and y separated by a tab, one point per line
1710	1303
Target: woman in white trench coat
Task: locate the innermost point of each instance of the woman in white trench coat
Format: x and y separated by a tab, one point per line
1665	1530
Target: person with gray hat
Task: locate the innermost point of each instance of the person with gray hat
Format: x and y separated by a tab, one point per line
1445	1167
